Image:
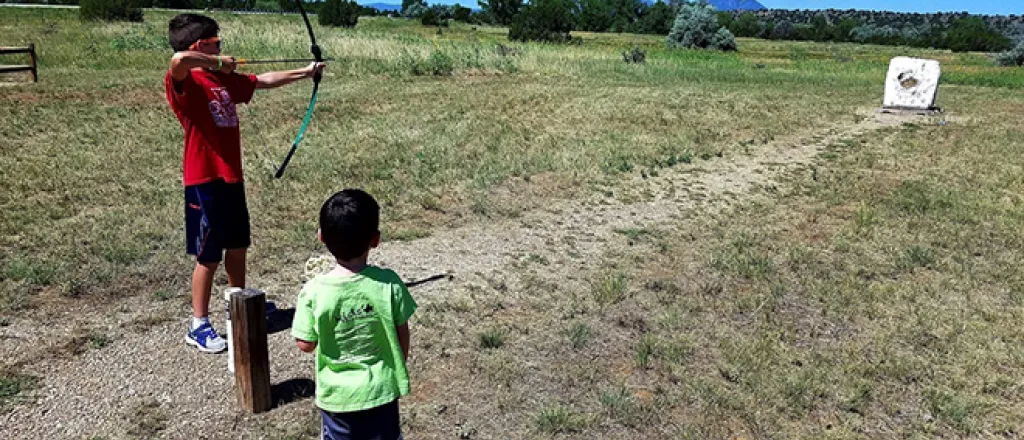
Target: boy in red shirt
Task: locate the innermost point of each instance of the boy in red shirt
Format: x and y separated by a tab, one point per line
203	88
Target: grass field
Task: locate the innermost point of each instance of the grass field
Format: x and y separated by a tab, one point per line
873	293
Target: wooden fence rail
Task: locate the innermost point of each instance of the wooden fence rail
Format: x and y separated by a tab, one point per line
31	50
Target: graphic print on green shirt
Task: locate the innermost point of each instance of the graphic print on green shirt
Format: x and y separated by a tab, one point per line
353	320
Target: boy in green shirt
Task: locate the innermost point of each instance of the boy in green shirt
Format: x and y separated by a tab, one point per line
355	318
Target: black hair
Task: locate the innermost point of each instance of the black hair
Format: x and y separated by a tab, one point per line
349	221
185	29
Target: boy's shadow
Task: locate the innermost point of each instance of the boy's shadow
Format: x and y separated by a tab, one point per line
291	390
280	320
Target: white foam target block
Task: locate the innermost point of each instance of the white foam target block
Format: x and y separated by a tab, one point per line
912	83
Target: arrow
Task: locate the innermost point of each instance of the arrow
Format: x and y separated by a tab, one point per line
286	60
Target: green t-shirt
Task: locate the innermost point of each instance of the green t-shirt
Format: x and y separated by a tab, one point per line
353	319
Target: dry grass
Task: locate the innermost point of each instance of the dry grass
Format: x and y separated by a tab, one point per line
875	294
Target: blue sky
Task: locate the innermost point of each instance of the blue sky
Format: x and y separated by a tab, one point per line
1001	7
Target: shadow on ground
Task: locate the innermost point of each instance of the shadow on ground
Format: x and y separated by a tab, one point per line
291	390
280	320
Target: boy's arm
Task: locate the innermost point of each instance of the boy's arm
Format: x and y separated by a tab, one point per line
280	78
306	346
183	62
403	339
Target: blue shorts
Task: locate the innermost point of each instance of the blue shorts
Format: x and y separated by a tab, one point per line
380	423
216	218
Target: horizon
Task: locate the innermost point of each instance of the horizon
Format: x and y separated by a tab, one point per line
997	7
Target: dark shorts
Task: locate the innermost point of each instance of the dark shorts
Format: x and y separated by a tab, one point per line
216	218
380	423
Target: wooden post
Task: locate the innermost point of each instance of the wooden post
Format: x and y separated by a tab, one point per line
32	53
252	362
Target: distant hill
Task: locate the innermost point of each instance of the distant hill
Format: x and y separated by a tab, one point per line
471	4
737	5
382	6
726	5
721	5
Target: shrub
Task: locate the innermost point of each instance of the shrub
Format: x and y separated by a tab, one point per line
414	10
501	11
463	14
440	63
696	27
636	56
339	13
437	15
544	20
973	34
110	10
656	20
1013	57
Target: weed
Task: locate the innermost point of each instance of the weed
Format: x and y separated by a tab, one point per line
865	218
492	338
537	259
915	256
163	294
148	419
633	234
609	290
579	335
645	348
98	340
408	234
12	385
743	259
557	420
39	273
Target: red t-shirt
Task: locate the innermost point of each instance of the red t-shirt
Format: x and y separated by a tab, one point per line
204	103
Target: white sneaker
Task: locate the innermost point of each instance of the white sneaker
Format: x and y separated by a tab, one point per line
206	339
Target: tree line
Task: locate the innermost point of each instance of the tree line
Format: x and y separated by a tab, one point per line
958	31
553	20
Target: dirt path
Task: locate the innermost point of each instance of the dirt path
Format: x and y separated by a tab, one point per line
146	382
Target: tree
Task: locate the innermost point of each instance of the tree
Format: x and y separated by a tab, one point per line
625	13
783	30
463	14
656	20
973	34
413	8
745	26
437	15
338	13
288	5
110	10
594	15
696	27
407	3
544	20
502	11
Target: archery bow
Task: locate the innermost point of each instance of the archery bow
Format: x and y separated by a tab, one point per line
315	50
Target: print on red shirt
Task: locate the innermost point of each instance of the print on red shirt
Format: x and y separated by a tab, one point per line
223	108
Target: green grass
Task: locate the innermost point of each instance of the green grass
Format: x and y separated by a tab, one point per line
875	292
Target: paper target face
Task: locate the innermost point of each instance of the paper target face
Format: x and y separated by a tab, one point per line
912	83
